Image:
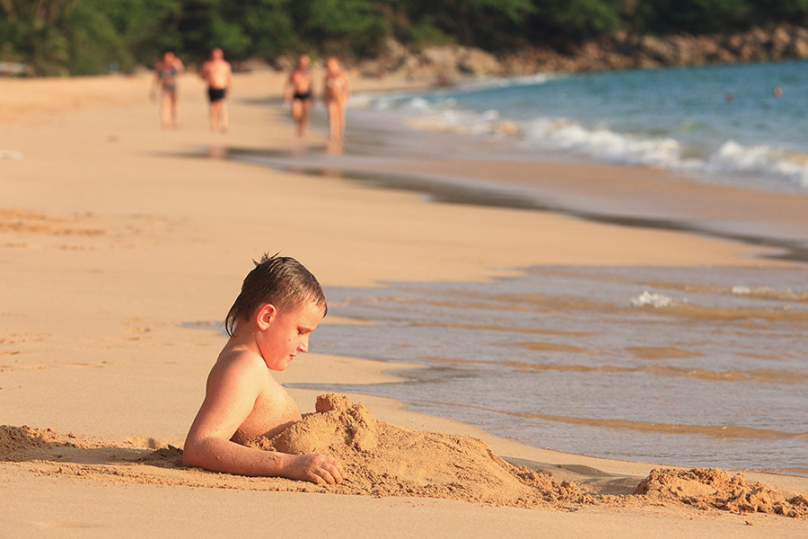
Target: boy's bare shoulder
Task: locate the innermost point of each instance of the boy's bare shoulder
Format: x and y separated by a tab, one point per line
240	364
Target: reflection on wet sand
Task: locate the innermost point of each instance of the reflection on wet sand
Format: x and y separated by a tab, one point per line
216	152
765	376
335	148
510	329
660	352
706	313
717	431
551	347
547	303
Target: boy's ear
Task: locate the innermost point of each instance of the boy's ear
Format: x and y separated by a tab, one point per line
266	314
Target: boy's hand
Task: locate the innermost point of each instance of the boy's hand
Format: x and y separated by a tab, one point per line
319	469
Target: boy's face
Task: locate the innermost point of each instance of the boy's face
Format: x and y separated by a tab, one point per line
287	334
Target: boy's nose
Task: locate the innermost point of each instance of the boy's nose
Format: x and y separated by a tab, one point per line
304	345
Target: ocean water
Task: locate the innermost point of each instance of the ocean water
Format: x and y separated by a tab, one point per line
714	123
673	365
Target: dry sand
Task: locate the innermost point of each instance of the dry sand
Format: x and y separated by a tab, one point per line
111	240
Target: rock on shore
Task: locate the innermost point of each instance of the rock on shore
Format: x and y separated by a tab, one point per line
623	51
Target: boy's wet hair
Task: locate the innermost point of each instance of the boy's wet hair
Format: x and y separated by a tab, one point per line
279	280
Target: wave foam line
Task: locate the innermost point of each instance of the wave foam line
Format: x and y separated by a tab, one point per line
563	134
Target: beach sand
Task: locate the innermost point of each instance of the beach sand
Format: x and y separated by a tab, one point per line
113	242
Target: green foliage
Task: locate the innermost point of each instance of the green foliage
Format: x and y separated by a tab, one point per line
697	16
766	11
269	25
343	27
576	20
491	24
32	32
424	34
57	37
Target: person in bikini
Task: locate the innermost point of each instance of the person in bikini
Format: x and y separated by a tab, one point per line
166	72
280	305
336	94
218	74
299	91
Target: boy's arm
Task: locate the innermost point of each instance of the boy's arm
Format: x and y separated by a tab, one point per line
231	394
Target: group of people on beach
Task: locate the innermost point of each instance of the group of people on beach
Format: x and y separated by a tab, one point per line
217	73
299	91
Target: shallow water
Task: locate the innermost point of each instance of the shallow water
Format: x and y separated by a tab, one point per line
696	367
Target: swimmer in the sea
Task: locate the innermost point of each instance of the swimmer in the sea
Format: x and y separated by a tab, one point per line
218	74
336	94
165	76
299	91
279	306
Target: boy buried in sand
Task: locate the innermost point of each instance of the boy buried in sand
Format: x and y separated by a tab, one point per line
280	304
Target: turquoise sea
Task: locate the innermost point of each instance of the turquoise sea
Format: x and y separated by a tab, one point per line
717	123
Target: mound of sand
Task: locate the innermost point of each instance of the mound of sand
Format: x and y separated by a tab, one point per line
384	460
713	488
22	442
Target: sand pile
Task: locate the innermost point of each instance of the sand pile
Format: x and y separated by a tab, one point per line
707	488
384	460
23	442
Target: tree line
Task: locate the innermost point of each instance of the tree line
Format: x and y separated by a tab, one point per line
80	37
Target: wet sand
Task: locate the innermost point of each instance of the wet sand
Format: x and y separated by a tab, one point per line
111	242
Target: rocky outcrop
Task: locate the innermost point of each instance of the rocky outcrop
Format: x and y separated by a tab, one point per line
622	51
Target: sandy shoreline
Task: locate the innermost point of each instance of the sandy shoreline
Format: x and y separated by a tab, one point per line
109	242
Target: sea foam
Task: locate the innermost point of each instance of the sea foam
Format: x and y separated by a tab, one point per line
603	144
652	299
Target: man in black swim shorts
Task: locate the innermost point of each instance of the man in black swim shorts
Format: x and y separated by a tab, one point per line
215	94
304	96
298	91
218	74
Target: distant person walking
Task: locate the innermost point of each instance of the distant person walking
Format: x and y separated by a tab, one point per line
166	72
299	91
218	74
336	94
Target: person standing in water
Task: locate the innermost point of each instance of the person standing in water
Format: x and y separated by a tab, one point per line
336	94
218	74
299	91
166	72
